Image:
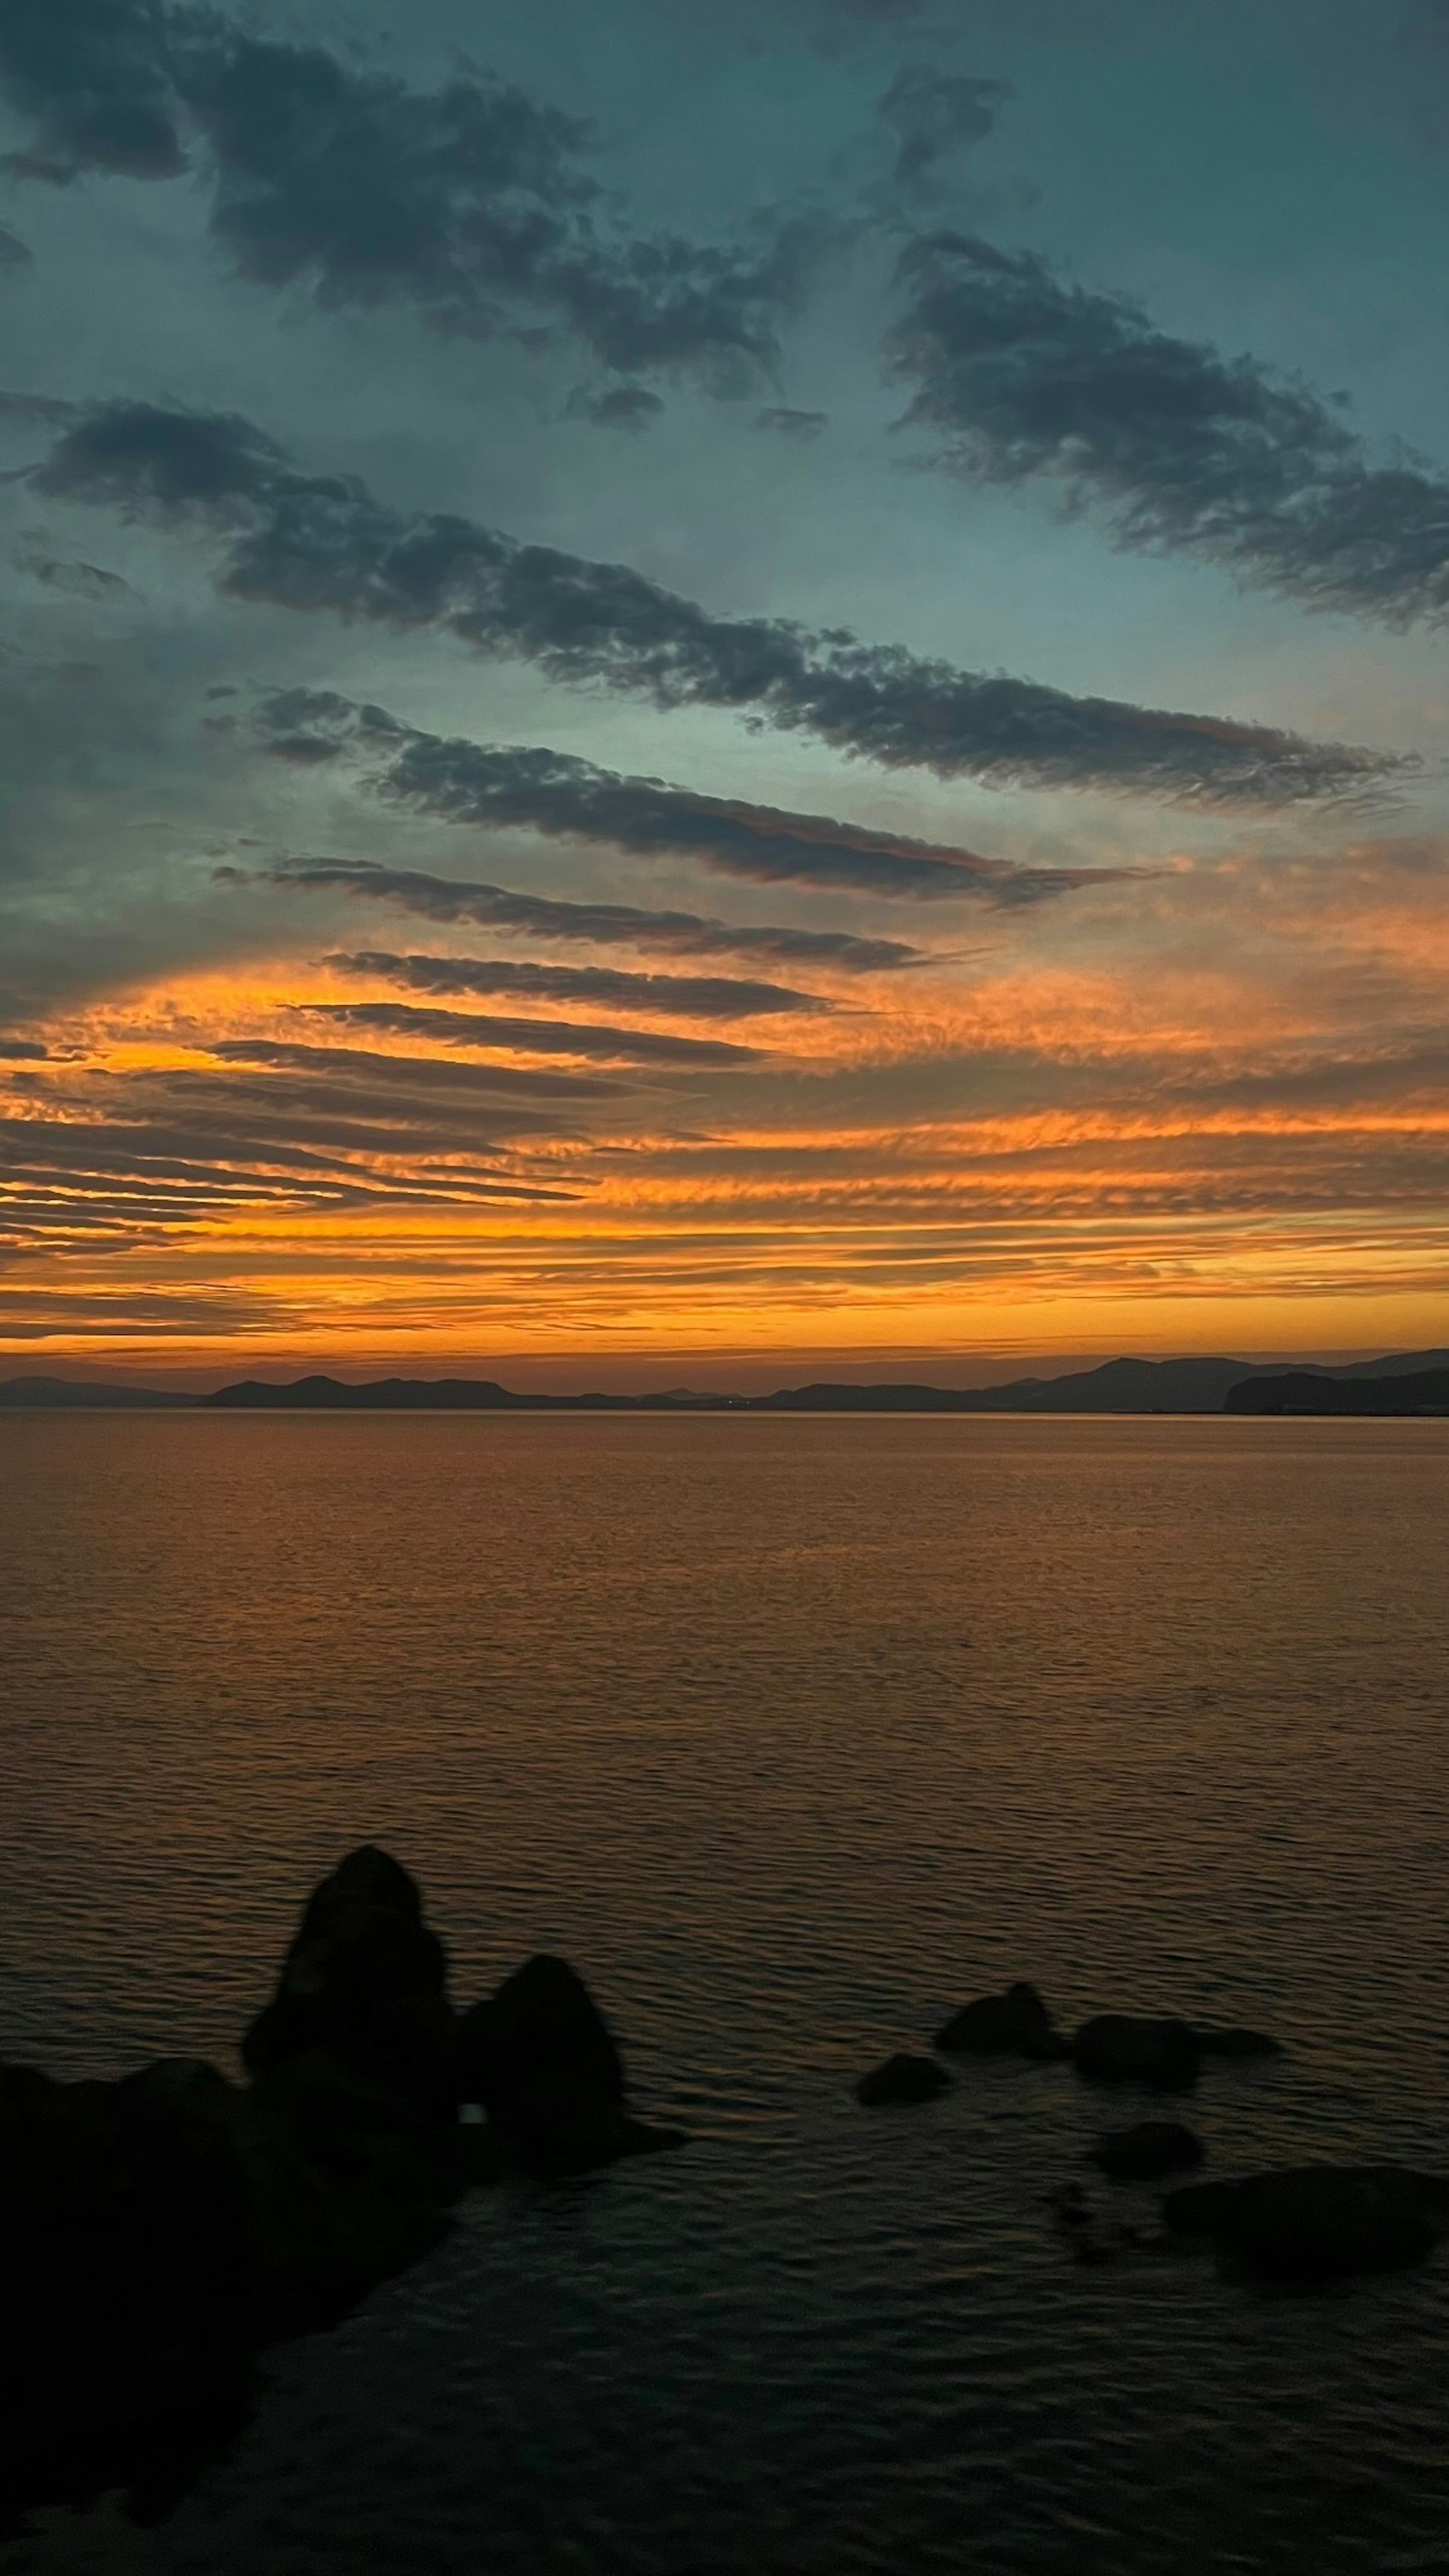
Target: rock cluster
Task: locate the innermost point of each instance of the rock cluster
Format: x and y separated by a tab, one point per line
158	2232
1303	2224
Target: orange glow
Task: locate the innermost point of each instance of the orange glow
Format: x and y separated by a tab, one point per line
1170	1137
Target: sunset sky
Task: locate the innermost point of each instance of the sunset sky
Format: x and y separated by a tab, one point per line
710	692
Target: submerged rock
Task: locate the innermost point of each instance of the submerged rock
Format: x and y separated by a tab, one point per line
1014	2024
1311	2223
364	1983
541	2059
902	2079
1124	2048
1150	2148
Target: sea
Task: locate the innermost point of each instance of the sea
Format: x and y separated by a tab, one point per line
793	1734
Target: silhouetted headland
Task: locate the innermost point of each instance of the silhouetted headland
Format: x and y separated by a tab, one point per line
1424	1391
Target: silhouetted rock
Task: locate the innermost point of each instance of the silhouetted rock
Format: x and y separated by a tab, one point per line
540	2058
1014	2024
1317	2222
364	1982
127	2254
157	2232
1141	2153
350	2184
1233	2041
1123	2048
902	2079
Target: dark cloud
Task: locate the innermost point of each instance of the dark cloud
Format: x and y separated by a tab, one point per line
92	78
788	423
470	203
78	580
705	997
325	543
935	116
49	408
631	407
1183	450
555	793
13	251
538	1037
404	1073
601	925
23	1050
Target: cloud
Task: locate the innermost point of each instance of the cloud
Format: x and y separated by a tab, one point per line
706	997
78	580
92	78
631	407
13	251
1183	451
788	423
936	115
324	543
555	793
470	203
601	925
404	1073
538	1037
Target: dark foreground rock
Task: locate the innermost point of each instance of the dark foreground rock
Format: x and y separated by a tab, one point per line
902	2079
541	2061
157	2233
1123	2048
1234	2042
1313	2223
1147	2150
127	2256
1014	2024
364	1983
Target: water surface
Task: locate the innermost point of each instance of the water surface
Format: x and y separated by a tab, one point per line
792	1734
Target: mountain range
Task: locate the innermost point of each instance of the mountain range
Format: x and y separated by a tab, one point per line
1118	1386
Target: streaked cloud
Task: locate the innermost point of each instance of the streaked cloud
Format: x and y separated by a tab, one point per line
706	997
555	793
538	1037
602	925
472	203
324	543
1023	374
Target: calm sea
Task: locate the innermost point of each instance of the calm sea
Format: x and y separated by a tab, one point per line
792	1734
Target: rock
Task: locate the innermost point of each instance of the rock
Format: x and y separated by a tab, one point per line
1151	2148
542	2061
127	2253
1235	2042
1317	2222
1121	2048
902	2079
1014	2024
349	2185
364	1983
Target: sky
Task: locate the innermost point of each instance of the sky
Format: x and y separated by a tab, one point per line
690	696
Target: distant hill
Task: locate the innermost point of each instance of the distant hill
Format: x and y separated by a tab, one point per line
1119	1386
1301	1391
71	1394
